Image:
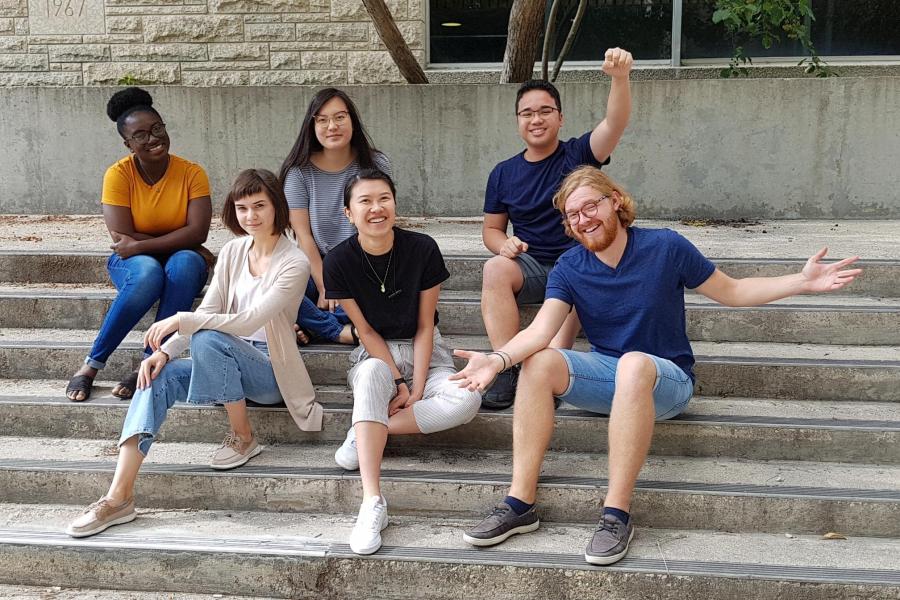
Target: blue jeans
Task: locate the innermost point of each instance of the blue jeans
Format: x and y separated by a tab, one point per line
222	369
141	280
320	323
592	383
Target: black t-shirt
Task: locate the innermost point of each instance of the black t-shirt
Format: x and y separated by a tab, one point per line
416	265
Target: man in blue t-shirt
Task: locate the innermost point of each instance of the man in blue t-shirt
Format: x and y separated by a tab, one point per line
520	191
627	284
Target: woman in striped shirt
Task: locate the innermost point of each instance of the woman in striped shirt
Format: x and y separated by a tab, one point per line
330	150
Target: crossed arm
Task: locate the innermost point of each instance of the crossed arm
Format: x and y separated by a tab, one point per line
127	242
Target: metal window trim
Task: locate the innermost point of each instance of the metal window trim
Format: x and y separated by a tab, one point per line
675	47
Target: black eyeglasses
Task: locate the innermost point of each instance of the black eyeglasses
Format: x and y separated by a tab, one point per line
142	136
544	112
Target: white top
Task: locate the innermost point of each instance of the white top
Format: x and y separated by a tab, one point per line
247	293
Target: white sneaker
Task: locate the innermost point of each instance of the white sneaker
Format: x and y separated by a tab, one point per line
366	535
346	456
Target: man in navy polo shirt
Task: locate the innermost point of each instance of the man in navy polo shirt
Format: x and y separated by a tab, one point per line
627	284
520	191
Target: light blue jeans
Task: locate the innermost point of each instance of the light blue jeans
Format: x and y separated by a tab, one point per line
222	369
592	383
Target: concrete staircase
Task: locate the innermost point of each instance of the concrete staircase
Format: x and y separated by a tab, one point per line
794	433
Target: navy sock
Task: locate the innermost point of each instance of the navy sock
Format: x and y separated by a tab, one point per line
517	505
620	514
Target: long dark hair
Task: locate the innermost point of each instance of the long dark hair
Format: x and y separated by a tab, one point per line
307	143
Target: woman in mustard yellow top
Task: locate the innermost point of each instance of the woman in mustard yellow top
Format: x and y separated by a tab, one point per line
157	208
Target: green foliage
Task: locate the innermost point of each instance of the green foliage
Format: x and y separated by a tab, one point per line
129	79
767	21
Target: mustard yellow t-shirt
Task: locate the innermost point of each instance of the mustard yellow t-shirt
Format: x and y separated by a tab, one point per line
159	208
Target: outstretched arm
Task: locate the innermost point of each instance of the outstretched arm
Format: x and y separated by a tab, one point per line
617	64
815	277
483	368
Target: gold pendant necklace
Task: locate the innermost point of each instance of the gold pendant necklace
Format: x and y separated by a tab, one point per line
386	271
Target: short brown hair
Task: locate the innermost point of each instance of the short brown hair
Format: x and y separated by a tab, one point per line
594	178
253	181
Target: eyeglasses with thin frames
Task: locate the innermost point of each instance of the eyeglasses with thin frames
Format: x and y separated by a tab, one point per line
588	209
340	119
142	136
544	112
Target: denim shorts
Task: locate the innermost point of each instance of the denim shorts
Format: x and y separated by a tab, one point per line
534	275
592	384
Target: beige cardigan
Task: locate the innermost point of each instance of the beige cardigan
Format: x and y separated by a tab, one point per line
284	285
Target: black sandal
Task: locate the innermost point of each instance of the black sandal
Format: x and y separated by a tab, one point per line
129	383
79	383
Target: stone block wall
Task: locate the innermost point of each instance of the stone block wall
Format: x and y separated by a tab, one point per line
200	42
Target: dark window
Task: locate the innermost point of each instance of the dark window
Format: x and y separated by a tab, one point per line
473	31
857	27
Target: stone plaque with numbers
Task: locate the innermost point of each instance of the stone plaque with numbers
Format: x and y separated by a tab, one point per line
69	17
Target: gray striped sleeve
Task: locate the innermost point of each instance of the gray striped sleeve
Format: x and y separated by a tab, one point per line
295	189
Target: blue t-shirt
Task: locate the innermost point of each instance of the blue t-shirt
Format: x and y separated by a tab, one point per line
524	191
639	305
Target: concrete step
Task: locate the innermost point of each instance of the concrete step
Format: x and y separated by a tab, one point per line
306	556
758	429
808	320
58	592
735	495
761	370
68	267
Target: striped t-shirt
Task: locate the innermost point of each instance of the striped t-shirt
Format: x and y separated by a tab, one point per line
322	194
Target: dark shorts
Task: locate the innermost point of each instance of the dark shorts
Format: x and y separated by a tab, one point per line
535	275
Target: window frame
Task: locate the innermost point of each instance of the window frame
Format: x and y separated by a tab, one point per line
675	59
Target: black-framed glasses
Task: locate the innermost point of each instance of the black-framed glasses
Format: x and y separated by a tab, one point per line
588	209
544	112
142	136
340	119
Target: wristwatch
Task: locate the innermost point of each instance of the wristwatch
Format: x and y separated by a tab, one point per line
398	381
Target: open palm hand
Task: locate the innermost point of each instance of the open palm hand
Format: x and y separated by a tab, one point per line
822	277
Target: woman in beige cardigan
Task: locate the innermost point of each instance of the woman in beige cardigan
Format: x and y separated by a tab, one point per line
242	342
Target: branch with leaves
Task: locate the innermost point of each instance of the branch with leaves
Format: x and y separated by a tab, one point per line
767	21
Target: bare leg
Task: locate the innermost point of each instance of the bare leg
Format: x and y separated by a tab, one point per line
239	419
127	467
565	337
370	440
501	279
544	375
403	423
630	426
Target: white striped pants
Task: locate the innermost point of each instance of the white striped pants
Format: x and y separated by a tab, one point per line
443	405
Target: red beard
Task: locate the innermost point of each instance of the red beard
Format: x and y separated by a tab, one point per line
609	228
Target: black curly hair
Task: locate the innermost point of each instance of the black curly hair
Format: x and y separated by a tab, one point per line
127	102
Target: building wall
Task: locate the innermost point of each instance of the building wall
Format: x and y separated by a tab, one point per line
764	148
199	42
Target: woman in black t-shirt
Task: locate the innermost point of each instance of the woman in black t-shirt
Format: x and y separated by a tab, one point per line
388	281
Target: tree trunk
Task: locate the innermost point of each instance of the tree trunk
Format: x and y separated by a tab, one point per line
392	38
526	21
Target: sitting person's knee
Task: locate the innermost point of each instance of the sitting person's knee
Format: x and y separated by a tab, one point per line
206	340
635	368
500	271
373	371
540	364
